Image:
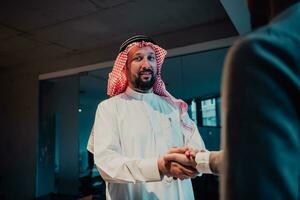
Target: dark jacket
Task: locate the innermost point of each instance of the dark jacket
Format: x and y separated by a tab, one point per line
261	113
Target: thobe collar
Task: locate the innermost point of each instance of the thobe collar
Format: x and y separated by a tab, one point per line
138	95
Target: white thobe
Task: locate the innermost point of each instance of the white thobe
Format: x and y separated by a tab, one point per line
131	131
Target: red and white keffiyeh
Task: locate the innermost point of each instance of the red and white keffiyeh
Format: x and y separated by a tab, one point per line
117	81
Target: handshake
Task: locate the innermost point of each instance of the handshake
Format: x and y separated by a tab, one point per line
184	162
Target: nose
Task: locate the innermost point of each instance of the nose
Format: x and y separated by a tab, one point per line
146	64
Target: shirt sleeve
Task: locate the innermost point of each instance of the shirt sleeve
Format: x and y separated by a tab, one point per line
90	145
112	165
202	160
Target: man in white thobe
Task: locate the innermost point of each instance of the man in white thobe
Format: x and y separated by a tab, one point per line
138	125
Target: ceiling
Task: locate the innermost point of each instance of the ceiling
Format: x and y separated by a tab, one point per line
80	32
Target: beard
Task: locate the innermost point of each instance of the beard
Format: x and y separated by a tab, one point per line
145	85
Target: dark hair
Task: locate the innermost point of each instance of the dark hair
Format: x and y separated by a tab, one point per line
262	11
278	6
259	12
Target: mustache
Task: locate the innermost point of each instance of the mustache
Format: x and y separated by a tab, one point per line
146	70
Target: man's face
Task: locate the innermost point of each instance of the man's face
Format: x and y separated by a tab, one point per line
141	68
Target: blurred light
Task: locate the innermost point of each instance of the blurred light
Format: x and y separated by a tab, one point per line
79	110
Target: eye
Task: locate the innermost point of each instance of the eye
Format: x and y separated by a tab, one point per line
151	57
137	58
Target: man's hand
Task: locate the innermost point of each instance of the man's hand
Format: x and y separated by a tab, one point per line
176	170
215	161
186	156
181	158
183	155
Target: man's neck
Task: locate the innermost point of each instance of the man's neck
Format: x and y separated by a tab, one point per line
141	91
